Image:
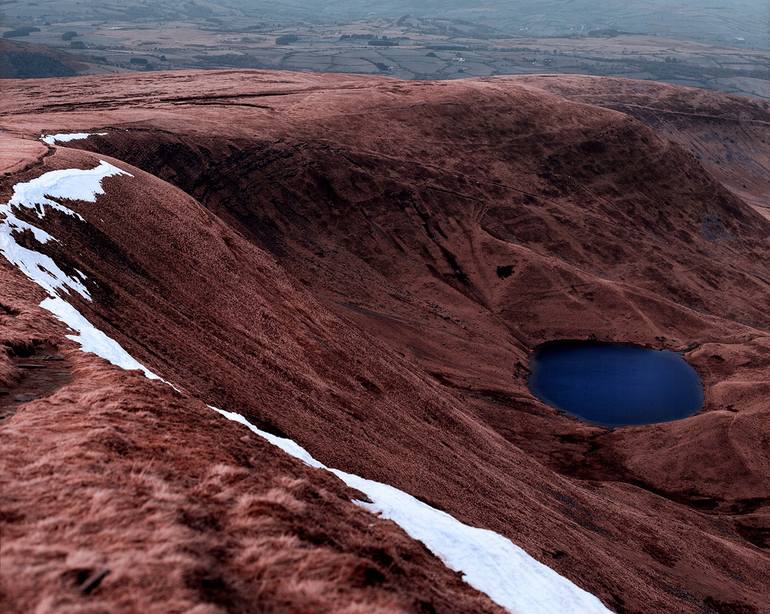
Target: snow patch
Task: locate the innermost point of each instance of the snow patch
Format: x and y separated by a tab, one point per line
91	339
38	267
52	139
69	184
489	562
36	195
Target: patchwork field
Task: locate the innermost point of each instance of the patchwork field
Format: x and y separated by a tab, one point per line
729	54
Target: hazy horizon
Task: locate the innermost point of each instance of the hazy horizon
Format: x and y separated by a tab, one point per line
707	20
713	44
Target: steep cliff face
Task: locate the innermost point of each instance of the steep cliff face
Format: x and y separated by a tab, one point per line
364	265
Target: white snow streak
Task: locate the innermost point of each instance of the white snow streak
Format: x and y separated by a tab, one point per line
91	339
52	139
37	195
488	561
69	184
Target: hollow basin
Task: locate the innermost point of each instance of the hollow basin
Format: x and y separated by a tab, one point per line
615	384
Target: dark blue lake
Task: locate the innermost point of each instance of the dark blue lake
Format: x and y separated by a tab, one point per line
615	384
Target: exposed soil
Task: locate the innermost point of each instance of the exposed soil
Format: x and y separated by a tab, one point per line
42	371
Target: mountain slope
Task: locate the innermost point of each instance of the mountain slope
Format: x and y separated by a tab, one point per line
121	494
25	61
729	134
424	238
